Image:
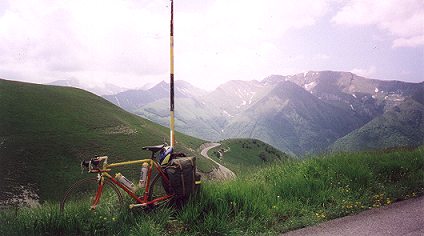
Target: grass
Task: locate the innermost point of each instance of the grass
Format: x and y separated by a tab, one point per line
273	199
241	155
45	132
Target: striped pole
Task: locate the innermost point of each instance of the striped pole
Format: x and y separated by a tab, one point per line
171	123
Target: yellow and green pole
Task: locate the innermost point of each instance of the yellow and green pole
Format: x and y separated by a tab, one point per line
172	120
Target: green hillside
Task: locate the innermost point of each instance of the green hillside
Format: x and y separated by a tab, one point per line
45	131
401	126
241	155
267	201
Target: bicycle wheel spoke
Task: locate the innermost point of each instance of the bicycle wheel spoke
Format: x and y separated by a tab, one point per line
159	189
80	198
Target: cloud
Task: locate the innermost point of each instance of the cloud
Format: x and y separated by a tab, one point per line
239	39
50	40
401	18
321	56
126	41
368	72
409	42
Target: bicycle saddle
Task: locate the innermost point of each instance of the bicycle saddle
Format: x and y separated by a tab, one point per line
153	148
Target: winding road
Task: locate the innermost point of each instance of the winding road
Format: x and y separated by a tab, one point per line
401	218
223	172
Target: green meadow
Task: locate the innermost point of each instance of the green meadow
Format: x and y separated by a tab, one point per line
270	200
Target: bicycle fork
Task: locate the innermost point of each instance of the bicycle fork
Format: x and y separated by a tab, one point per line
98	193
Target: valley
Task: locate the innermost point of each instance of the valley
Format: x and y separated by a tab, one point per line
299	114
46	131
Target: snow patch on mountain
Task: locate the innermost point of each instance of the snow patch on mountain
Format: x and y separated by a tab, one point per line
251	98
310	86
227	114
117	101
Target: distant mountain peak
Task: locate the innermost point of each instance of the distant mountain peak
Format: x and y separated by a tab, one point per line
96	88
300	113
132	100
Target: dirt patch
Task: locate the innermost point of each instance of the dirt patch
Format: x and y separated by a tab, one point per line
21	196
122	129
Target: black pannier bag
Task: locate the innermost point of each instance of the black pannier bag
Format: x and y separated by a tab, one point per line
182	175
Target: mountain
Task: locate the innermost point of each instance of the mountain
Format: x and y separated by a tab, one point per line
103	89
359	100
133	100
293	120
206	116
233	97
299	114
192	116
45	132
401	125
367	97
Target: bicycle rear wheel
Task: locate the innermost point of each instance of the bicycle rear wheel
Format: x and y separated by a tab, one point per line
158	189
79	197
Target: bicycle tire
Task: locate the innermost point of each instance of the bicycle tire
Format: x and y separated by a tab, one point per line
159	188
81	193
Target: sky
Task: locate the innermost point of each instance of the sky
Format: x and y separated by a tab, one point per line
126	42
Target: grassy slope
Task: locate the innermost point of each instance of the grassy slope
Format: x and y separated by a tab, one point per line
45	131
241	155
401	126
271	200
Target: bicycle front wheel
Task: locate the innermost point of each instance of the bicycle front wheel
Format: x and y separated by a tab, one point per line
80	197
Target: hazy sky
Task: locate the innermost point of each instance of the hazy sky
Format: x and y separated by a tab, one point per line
127	42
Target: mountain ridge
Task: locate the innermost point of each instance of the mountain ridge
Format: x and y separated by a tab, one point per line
346	102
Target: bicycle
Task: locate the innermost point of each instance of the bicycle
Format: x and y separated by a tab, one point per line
105	187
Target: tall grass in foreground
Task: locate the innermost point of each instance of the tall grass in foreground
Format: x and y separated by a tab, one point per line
270	200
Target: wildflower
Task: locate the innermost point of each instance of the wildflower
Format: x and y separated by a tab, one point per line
320	215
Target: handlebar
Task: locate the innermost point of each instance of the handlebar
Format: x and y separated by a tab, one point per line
93	163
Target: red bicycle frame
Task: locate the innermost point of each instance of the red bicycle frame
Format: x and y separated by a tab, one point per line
141	201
